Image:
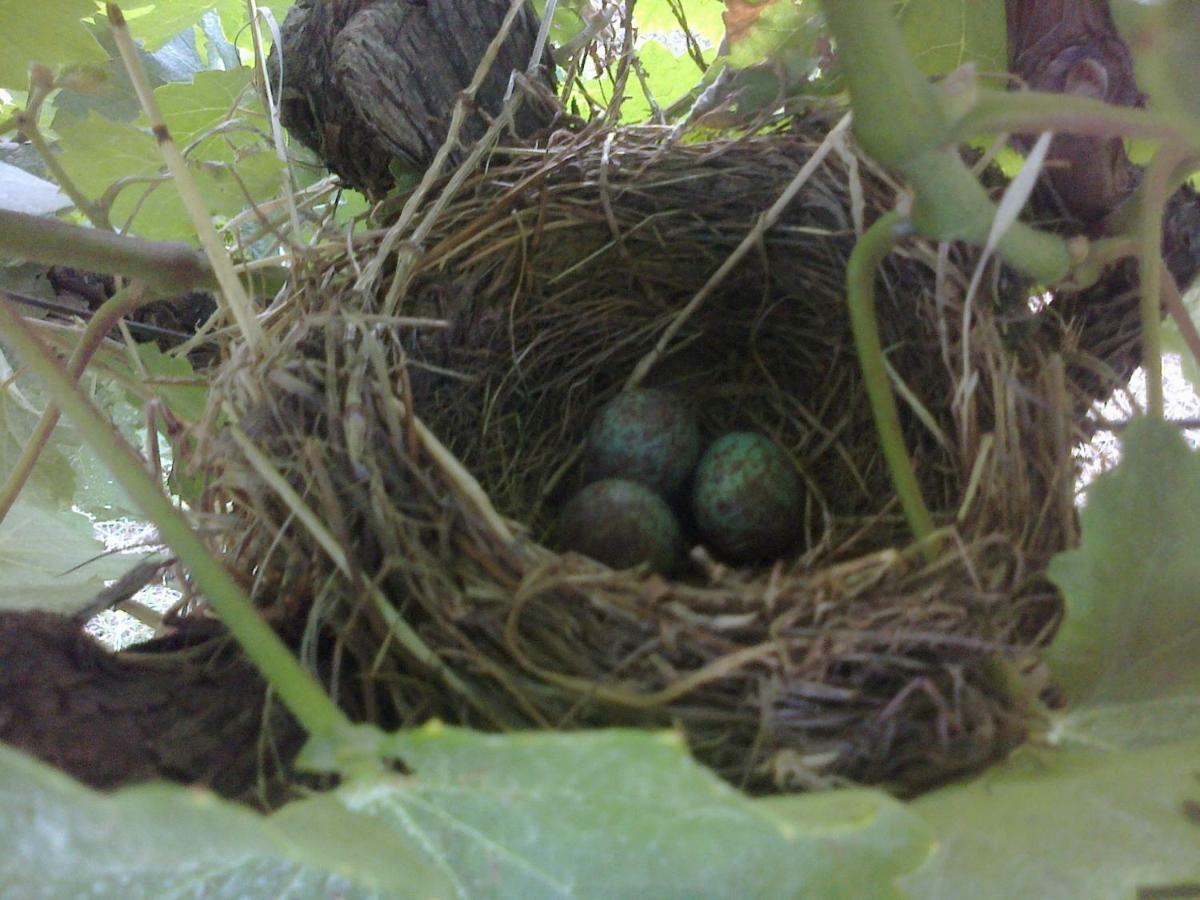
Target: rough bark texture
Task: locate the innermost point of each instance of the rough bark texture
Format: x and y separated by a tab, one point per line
200	718
1072	47
366	81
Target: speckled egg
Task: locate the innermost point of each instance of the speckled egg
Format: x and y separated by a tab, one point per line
622	523
649	436
747	498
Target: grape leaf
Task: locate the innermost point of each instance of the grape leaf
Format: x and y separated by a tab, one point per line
68	473
942	35
628	813
227	166
597	814
1131	629
1058	823
39	552
32	31
52	482
111	93
1165	40
1129	726
61	839
668	78
704	18
568	21
174	382
156	23
776	32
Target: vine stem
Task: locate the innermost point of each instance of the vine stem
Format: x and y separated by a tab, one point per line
96	213
298	689
1154	190
1003	112
869	253
106	316
164	267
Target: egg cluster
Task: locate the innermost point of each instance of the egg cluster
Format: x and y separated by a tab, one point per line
648	487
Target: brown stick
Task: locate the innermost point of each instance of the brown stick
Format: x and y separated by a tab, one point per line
165	268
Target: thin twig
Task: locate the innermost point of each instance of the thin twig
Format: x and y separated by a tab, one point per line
458	118
1173	302
109	313
236	299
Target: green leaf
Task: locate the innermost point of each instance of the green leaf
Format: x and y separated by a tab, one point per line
174	382
50	561
704	18
32	31
668	78
598	814
568	21
156	23
776	32
944	34
1057	823
1131	629
1174	342
628	814
1165	40
227	166
1129	726
68	474
61	839
52	482
109	91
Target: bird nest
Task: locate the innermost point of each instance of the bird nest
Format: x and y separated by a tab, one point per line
402	450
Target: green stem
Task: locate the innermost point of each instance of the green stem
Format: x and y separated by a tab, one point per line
106	316
869	253
1155	189
897	113
295	686
97	215
902	120
951	204
1032	112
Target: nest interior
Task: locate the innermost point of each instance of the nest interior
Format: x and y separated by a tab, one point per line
426	418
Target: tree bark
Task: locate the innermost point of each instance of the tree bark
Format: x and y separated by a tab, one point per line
369	81
1072	47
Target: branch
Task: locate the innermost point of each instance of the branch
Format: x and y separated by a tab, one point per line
165	268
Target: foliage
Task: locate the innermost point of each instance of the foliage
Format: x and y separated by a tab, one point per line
1167	39
618	814
1066	823
1103	806
49	560
230	161
51	34
69	474
599	814
1132	625
63	840
942	36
